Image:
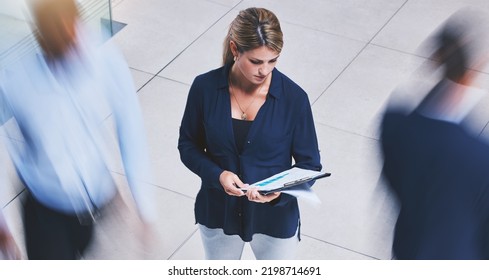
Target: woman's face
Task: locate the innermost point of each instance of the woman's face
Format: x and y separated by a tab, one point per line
256	64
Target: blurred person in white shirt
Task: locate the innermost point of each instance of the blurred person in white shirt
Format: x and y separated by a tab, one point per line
58	100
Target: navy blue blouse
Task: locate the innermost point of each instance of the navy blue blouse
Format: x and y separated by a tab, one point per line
282	131
241	129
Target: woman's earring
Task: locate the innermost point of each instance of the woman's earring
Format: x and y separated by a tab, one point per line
234	58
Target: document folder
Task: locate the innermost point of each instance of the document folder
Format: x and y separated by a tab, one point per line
292	179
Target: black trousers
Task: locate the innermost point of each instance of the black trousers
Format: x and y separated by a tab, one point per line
51	235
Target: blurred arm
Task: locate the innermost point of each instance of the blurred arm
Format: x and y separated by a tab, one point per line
131	136
8	247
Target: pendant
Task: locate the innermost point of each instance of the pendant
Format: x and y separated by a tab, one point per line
243	116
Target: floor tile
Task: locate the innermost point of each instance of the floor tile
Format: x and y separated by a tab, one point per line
313	249
345	216
163	103
227	3
202	56
118	234
156	32
10	185
314	59
358	95
347	18
417	20
140	78
309	248
192	249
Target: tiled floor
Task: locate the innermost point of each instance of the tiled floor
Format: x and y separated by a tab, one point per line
349	55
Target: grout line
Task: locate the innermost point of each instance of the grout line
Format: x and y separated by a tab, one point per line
181	245
153	77
389	20
16	196
482	130
346	131
116	4
220	4
173	80
358	54
189	45
160	187
401	52
339	246
421	57
324	31
142	71
339	74
170	190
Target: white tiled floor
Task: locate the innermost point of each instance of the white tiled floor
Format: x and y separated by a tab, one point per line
349	55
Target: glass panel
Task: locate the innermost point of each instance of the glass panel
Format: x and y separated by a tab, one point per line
97	14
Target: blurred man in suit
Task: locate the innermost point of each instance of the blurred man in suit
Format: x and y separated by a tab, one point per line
438	170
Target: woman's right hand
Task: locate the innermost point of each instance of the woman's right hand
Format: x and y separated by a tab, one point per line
231	183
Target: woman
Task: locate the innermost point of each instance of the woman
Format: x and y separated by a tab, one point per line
242	123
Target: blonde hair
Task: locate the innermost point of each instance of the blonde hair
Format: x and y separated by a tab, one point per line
253	28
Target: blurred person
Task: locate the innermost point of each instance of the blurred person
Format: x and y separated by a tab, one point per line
58	100
8	247
242	123
437	169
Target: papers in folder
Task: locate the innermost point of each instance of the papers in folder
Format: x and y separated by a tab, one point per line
289	180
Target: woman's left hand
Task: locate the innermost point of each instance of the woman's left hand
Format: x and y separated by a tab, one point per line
254	195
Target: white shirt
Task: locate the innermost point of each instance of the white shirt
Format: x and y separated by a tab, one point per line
466	98
59	109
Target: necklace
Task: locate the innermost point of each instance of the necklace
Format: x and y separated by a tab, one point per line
244	116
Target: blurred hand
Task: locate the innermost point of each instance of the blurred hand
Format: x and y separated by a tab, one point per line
254	195
150	242
231	183
8	247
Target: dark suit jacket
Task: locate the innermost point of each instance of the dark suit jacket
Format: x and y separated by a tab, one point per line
441	176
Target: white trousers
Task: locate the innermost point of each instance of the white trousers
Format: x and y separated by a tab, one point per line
220	246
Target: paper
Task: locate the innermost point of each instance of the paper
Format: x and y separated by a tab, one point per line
305	195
